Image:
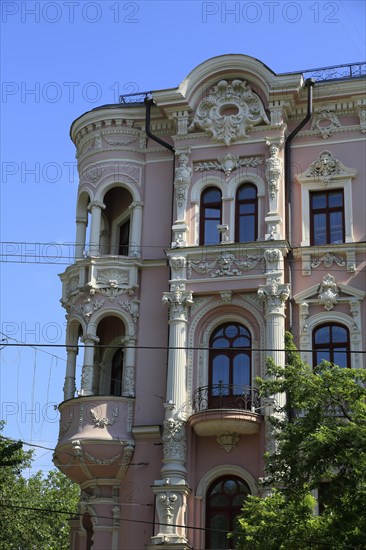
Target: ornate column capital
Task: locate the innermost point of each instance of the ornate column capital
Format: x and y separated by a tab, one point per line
96	204
179	302
89	339
274	296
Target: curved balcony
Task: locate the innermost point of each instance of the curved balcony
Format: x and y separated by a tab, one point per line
225	408
95	439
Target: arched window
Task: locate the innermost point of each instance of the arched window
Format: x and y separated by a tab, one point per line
224	500
229	366
210	215
246	213
331	343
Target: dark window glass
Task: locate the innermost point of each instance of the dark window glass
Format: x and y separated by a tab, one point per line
210	216
229	363
331	343
224	500
116	373
124	238
246	213
326	217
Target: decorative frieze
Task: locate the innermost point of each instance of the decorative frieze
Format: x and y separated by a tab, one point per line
228	164
225	265
328	259
229	111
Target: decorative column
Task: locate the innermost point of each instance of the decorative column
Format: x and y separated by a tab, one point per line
182	181
179	302
274	175
95	208
274	295
128	380
69	386
136	228
81	224
88	367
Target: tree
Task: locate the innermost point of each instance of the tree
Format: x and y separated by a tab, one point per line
29	520
320	443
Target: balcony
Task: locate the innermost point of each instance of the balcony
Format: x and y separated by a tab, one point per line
224	408
95	439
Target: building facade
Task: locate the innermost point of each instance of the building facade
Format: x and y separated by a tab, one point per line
210	218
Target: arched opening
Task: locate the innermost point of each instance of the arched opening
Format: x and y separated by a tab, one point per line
109	357
331	343
224	500
230	359
115	234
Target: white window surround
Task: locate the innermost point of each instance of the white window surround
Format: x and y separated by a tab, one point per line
327	175
228	190
308	322
216	318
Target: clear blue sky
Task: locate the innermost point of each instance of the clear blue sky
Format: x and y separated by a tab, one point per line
62	58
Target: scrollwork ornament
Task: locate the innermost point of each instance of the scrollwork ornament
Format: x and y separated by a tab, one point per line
229	111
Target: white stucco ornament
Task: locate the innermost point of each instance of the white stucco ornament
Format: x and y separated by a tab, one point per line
229	111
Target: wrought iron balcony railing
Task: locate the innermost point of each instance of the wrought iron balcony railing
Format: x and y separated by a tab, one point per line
226	396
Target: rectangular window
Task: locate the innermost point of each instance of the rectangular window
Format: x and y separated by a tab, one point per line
326	217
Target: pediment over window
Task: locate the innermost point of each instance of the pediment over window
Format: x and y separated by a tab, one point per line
325	170
328	293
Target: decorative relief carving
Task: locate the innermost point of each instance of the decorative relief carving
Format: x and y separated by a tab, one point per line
179	302
274	171
228	265
328	260
229	111
274	296
183	177
226	296
362	116
227	164
72	284
174	439
328	292
304	314
228	441
103	422
325	167
112	277
324	116
120	142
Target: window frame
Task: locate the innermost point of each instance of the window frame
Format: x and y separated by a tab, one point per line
327	210
204	218
239	217
230	352
230	512
331	346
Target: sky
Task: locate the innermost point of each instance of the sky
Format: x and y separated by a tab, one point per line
60	59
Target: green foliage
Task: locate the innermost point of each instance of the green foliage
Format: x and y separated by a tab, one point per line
320	437
25	522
